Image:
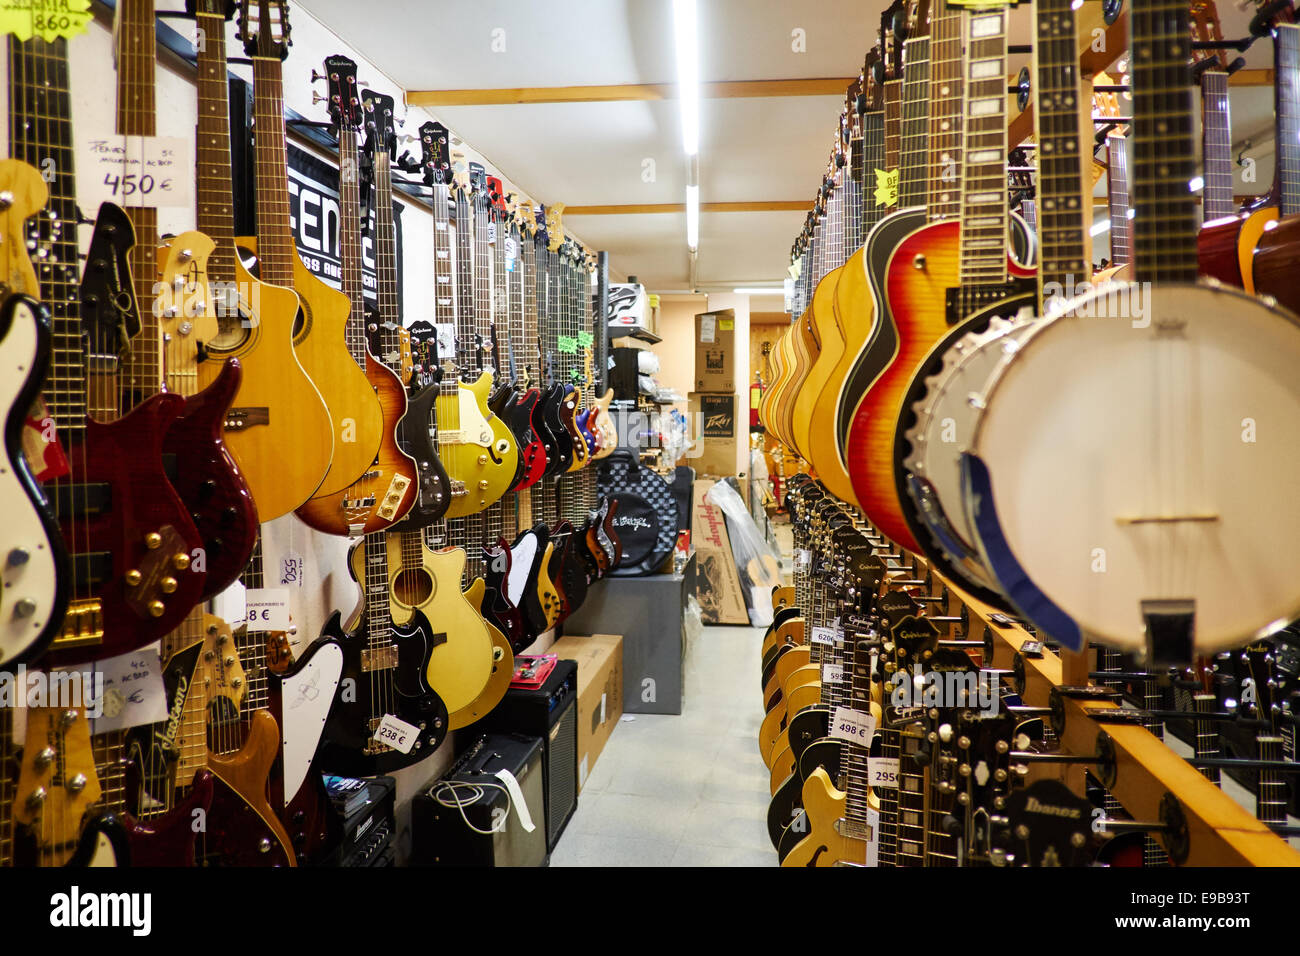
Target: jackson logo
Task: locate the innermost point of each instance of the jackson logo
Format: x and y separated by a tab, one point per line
167	736
1035	806
631	521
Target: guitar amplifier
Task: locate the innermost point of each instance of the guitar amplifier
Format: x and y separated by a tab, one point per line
368	831
466	817
551	713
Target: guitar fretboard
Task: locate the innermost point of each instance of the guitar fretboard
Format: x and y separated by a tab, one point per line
1216	143
984	156
914	125
945	113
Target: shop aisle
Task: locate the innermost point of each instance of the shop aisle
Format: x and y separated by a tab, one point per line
687	790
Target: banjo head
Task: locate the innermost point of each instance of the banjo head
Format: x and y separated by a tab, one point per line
945	419
1139	452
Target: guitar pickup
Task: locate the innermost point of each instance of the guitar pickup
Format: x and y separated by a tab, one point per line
349	504
237	419
82	625
79	499
378	659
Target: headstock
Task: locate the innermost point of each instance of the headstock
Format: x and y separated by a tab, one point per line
1262	667
57	784
554	227
216	8
381	129
264	28
342	97
983	749
893	31
918	19
435	154
496	198
1047	825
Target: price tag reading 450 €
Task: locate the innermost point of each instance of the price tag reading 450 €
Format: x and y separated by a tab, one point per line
853	726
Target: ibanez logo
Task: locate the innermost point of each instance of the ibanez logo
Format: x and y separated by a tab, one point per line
1047	809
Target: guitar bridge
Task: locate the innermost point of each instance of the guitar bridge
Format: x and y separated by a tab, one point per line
237	419
82	625
373	746
458	489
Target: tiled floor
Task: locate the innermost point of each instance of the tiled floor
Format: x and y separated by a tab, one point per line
688	790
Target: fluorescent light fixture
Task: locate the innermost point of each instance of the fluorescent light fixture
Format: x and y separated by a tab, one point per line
1100	227
686	29
760	290
693	216
1196	184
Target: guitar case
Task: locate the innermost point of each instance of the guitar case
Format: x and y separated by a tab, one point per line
648	512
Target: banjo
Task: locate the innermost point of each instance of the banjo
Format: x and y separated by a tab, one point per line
1131	477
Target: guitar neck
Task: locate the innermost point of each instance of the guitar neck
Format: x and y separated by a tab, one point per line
1165	224
1065	205
1287	55
1121	225
914	125
466	346
213	187
275	245
390	323
40	133
353	284
945	114
984	177
444	301
1216	146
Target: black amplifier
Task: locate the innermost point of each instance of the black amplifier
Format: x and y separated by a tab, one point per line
549	712
467	817
368	831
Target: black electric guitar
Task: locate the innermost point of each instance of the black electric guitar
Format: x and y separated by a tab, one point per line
385	667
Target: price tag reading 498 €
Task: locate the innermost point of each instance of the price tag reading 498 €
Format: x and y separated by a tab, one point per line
853	725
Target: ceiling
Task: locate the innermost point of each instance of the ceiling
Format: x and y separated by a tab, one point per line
580	154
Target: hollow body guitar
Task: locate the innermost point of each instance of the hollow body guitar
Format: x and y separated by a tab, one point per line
279	430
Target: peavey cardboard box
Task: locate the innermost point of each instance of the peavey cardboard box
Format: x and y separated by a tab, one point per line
715	351
713	434
600	691
717	583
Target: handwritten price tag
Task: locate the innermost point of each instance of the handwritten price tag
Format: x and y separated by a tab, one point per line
585	340
882	772
47	19
566	344
138	171
397	734
133	694
886	187
291	569
853	726
268	609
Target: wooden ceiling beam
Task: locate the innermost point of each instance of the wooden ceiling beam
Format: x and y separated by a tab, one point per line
726	90
644	209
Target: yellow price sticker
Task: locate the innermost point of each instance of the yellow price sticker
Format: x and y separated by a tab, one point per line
726	325
48	19
886	187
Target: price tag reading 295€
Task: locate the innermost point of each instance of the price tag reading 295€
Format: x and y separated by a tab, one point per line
853	726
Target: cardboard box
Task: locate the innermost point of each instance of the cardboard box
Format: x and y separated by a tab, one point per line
717	581
715	351
600	691
713	433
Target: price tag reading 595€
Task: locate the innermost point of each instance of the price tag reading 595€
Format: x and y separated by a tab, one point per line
853	726
268	609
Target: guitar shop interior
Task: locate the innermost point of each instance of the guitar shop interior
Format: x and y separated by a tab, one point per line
682	433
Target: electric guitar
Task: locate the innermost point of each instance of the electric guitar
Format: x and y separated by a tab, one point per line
131	535
36	572
386	666
386	491
278	430
170	344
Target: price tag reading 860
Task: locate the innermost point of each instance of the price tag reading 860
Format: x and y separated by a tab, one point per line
853	726
397	734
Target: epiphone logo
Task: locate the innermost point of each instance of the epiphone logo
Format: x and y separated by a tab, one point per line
630	521
1047	809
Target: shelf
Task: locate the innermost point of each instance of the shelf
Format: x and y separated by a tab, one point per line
641	334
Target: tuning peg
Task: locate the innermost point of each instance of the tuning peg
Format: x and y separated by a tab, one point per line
316	76
317	98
